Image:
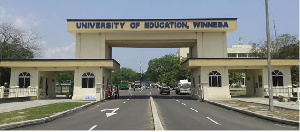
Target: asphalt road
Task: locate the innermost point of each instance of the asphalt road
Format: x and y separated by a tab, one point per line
176	112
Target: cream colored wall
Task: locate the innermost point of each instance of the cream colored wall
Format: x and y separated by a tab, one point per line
251	84
14	77
196	86
215	92
210	45
51	83
287	81
80	93
90	46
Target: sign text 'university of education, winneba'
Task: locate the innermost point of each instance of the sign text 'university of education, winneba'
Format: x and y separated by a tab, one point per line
151	25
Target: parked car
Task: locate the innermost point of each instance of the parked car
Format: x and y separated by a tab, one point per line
165	90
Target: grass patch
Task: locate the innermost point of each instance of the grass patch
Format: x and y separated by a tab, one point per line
37	112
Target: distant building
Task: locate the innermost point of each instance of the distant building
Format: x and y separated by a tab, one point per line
183	52
235	51
239	51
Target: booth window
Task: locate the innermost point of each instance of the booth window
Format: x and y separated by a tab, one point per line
24	79
215	79
277	78
88	80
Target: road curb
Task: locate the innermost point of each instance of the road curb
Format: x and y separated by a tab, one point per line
157	123
274	119
45	119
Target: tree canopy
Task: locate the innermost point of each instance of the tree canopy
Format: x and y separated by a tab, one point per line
283	46
16	44
125	74
166	70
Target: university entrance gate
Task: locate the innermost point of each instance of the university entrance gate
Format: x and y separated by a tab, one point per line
206	39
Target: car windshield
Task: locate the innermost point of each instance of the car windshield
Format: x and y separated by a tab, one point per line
165	88
185	85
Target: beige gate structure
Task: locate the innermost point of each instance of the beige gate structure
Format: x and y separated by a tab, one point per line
206	39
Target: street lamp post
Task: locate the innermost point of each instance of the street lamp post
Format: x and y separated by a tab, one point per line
271	107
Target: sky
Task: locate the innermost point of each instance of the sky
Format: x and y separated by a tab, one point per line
47	18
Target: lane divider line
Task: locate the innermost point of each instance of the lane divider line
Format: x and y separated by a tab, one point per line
183	104
213	121
92	128
124	102
157	123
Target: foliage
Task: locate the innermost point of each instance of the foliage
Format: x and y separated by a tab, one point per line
62	77
166	70
125	74
16	44
284	46
235	77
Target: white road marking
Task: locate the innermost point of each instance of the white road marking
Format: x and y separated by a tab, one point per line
112	112
157	124
130	93
195	110
213	121
183	104
177	100
92	127
142	89
150	93
127	99
124	102
192	109
97	105
280	125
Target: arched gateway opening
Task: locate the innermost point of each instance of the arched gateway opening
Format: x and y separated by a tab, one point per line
95	38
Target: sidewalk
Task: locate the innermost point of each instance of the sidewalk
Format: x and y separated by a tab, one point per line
12	106
287	111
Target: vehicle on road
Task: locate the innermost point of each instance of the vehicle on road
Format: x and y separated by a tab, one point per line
147	85
165	90
124	85
183	87
137	84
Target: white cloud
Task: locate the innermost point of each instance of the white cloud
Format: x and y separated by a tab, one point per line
25	22
67	52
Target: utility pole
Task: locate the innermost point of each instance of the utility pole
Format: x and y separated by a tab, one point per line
271	106
141	74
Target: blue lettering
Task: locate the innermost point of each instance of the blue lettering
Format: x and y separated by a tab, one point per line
84	25
137	24
178	24
102	25
167	25
108	25
197	24
214	24
172	23
132	25
92	25
156	24
184	24
225	24
146	24
97	25
151	25
162	25
220	24
122	24
78	26
116	24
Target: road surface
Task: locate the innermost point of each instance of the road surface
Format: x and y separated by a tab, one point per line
132	111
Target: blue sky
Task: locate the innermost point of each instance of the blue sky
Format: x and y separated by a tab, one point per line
48	19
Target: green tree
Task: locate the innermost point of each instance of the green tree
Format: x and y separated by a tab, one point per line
235	77
63	77
283	46
125	74
16	44
166	69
